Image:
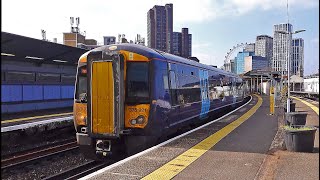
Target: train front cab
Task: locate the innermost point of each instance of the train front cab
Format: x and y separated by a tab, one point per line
112	100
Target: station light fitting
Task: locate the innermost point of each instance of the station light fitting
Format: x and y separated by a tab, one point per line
6	54
56	60
31	57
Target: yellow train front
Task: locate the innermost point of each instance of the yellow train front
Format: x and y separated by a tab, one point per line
128	96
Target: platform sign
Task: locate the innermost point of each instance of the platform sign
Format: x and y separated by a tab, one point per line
272	100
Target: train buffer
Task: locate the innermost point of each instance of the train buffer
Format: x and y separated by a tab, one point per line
246	144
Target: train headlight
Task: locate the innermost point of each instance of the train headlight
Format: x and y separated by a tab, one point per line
140	120
133	121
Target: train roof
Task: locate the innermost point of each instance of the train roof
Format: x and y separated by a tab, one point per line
152	53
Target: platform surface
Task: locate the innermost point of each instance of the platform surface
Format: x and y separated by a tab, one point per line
252	150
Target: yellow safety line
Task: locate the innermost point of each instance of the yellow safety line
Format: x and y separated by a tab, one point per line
313	107
35	117
175	166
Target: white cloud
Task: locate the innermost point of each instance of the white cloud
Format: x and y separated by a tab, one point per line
204	52
100	18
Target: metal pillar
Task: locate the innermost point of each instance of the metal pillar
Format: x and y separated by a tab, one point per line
288	66
251	85
257	84
261	86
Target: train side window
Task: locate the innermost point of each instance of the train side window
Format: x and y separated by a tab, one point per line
165	81
173	87
214	89
190	91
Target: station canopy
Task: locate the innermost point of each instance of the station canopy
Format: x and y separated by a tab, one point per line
266	74
296	79
20	48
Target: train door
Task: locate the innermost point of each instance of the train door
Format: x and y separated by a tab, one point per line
174	116
105	83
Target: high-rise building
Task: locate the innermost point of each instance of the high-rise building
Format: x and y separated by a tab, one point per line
160	27
240	61
233	65
107	40
182	43
151	37
249	47
176	43
186	40
227	66
281	47
169	13
297	63
264	47
255	62
190	45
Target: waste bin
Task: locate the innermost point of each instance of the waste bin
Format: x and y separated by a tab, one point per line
296	118
301	139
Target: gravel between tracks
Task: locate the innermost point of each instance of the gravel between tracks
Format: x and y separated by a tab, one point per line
45	168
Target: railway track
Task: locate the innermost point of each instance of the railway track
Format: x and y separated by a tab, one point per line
309	99
80	171
36	155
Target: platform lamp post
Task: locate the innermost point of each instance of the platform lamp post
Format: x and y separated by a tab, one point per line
289	56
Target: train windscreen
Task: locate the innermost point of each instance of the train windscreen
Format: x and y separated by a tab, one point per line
81	85
137	91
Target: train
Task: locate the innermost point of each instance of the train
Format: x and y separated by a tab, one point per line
129	96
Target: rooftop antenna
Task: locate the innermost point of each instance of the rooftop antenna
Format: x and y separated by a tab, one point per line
71	22
288	12
77	23
43	33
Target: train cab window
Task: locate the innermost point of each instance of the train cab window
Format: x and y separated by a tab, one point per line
137	83
81	85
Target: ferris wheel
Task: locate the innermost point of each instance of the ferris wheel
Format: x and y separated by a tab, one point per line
234	49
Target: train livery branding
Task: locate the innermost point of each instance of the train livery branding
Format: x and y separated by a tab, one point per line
205	101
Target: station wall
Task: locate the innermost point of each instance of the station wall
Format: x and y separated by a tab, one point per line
28	87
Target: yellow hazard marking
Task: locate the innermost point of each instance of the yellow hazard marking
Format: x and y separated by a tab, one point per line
313	107
34	117
175	166
271	100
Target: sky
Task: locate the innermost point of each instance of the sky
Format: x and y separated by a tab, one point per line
216	25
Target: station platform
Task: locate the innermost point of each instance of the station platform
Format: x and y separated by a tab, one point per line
19	121
245	144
